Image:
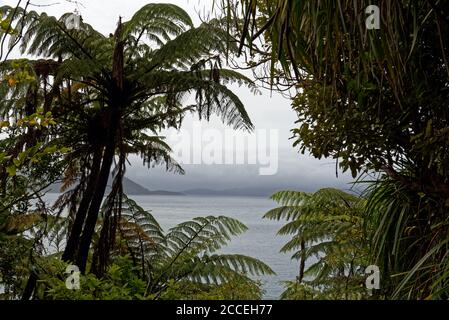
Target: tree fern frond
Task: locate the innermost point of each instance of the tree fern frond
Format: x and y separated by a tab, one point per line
165	20
290	198
189	48
133	214
154	151
204	234
240	264
327	228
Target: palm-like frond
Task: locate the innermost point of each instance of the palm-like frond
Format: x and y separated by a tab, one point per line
142	235
327	229
154	151
187	251
157	22
187	49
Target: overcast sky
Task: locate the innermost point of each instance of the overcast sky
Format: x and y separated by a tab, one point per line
267	111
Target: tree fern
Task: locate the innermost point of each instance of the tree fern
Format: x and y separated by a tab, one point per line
142	235
106	93
327	229
187	252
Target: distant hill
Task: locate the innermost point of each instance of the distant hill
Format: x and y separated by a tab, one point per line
129	187
132	188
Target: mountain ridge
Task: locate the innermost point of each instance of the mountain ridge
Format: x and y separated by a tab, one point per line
129	187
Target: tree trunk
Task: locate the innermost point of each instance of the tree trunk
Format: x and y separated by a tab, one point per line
302	263
111	217
95	205
30	286
115	102
80	217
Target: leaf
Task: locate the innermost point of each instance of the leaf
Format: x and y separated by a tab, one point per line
11	170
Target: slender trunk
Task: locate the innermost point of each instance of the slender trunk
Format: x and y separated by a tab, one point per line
302	263
108	157
97	199
77	228
30	286
27	141
111	217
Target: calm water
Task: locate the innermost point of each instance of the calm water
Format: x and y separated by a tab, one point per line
259	241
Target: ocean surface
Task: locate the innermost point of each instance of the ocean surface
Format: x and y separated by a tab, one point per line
259	241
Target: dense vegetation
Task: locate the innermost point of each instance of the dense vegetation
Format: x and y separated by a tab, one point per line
78	103
77	111
375	100
329	240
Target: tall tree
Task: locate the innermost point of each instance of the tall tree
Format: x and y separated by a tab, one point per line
108	92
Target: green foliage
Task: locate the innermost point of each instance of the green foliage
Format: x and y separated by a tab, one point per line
109	97
231	290
362	96
329	235
4	25
407	225
186	253
373	100
335	290
150	264
26	168
146	263
14	264
121	282
24	174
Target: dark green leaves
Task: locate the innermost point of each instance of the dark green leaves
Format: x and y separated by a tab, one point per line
328	236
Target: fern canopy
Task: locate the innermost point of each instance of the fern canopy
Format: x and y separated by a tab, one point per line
186	252
329	240
108	97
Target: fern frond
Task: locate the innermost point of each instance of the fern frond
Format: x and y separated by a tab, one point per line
203	234
157	20
327	230
154	151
